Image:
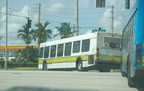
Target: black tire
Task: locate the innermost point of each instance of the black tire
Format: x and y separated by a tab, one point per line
122	73
104	70
130	80
44	66
79	66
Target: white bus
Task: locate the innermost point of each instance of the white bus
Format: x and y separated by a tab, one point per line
98	50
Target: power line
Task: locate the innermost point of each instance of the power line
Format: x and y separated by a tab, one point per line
57	16
14	15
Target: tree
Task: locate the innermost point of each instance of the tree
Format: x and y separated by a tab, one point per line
41	34
64	30
25	34
29	54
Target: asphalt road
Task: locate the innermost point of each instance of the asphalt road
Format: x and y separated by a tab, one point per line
62	81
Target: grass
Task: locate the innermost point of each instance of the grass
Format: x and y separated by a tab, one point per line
24	68
113	70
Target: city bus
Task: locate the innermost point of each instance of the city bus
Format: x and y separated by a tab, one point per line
98	50
132	64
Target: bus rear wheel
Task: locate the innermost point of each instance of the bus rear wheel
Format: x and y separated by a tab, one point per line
44	66
104	68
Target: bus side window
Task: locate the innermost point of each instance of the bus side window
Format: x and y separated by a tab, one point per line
68	49
53	51
85	45
46	52
41	52
60	50
76	47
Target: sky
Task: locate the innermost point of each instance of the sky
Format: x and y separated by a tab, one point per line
59	11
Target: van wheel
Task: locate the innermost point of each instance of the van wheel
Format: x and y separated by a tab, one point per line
44	66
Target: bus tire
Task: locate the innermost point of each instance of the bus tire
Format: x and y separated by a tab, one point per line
122	72
104	70
130	80
79	66
44	66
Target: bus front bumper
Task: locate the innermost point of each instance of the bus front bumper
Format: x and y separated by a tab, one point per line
140	71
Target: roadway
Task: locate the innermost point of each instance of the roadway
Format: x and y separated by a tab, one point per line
62	81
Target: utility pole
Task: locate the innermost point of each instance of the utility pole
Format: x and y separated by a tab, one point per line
112	25
39	11
6	46
76	25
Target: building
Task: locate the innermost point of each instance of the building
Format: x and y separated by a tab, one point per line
11	50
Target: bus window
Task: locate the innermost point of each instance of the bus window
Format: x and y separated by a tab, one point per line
41	52
60	50
53	51
76	46
68	49
112	42
46	53
114	45
85	45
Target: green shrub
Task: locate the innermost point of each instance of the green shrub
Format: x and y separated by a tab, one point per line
21	64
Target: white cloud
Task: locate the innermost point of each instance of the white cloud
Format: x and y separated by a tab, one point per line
56	7
120	15
15	22
89	31
3	10
66	6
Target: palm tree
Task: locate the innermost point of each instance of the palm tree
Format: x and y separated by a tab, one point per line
64	30
41	34
29	52
25	34
1	37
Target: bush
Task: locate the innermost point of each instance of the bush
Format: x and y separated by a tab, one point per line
2	64
21	64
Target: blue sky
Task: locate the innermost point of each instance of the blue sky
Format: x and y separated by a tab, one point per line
58	11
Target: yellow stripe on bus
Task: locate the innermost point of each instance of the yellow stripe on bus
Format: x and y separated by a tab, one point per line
110	58
59	60
83	57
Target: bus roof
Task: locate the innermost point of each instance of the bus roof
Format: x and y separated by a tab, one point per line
75	38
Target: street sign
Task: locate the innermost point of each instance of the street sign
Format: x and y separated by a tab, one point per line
96	30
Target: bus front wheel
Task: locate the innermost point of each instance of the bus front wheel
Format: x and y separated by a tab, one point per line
44	66
79	65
